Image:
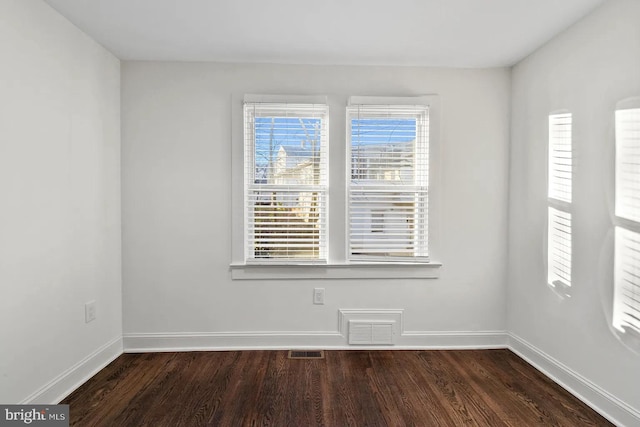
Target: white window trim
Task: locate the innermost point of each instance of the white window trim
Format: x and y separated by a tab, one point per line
336	271
337	266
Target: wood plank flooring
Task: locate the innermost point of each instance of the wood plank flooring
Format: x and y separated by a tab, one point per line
347	388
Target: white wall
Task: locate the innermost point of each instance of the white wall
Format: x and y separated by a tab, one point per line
59	203
176	171
586	71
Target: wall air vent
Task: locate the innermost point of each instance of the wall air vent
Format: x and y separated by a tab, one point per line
371	332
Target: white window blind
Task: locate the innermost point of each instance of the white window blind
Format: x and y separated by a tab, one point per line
628	164
285	182
626	303
388	148
559	252
560	157
559	191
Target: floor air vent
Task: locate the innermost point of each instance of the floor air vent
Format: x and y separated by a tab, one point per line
304	354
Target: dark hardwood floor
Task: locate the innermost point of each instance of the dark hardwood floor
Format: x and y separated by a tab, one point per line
347	388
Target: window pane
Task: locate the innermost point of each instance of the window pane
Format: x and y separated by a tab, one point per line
386	223
382	150
287	224
287	150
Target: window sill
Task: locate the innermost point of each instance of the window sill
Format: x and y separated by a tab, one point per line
336	271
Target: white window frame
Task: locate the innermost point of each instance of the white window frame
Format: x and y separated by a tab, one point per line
338	265
626	271
416	236
559	207
286	241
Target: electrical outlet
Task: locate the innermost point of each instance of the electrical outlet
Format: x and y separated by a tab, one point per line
90	311
318	295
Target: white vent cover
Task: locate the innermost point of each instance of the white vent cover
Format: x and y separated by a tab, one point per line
371	332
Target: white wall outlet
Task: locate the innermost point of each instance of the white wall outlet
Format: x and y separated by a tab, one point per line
318	295
90	311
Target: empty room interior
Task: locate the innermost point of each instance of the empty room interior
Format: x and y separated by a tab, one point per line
403	185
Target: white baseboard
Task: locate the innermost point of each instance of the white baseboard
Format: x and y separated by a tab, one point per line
455	340
284	340
609	406
226	341
65	383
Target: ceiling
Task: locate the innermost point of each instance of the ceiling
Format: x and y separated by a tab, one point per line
448	33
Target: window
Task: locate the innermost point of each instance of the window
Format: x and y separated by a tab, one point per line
559	193
388	148
626	303
357	210
285	197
